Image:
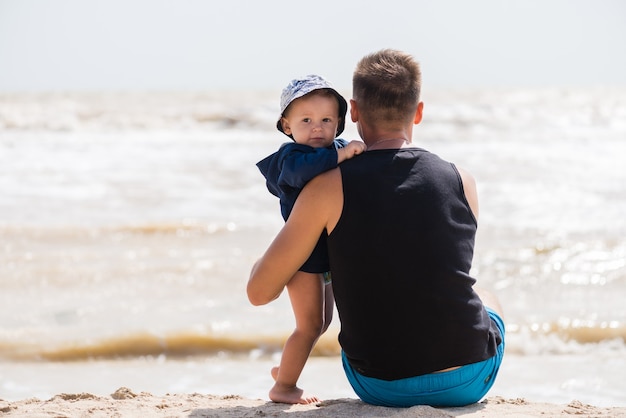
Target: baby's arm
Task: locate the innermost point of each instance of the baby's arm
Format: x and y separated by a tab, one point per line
301	163
353	148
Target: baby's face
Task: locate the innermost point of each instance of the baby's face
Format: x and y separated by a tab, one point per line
312	120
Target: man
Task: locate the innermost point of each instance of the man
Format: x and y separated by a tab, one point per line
401	224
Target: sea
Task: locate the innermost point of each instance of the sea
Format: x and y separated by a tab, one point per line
129	222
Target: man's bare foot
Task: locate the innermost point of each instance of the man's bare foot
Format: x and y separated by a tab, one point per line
290	394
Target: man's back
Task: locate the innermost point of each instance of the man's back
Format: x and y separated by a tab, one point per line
404	294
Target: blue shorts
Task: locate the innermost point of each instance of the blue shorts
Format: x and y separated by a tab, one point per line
459	387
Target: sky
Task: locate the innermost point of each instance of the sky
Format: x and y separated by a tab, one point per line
166	45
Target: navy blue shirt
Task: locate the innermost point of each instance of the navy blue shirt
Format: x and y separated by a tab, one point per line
287	171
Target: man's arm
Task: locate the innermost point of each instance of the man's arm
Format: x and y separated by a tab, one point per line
469	186
318	207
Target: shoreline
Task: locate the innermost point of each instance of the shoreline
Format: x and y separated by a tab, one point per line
126	403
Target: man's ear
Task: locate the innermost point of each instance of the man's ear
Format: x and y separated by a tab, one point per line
285	124
419	113
354	111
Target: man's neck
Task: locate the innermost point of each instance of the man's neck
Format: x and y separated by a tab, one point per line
389	138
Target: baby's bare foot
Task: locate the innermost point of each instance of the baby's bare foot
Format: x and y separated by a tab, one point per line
275	373
292	394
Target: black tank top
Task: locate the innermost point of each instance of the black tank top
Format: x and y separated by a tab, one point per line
400	257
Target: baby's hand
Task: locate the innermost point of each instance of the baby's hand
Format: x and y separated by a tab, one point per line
353	148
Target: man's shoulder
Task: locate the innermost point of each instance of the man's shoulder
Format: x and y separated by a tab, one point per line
324	197
326	179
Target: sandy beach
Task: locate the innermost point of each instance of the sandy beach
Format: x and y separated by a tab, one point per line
126	403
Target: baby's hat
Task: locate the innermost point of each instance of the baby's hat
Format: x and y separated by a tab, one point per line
302	86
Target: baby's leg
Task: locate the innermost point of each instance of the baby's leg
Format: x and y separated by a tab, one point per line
306	293
329	306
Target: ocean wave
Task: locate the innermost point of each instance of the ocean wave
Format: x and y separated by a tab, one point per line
547	110
565	336
173	345
133	111
181	228
531	339
471	111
